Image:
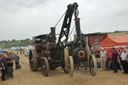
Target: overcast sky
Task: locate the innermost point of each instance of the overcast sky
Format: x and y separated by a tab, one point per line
20	19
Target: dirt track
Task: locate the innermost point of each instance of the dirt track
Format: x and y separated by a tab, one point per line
25	77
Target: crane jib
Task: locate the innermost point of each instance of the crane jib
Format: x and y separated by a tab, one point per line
66	25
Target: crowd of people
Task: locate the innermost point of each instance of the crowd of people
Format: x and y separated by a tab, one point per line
7	63
112	59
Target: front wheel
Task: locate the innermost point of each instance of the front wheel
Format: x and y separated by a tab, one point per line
69	64
92	65
44	66
33	60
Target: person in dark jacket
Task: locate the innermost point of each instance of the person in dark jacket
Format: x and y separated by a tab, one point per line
0	62
10	67
16	57
114	59
3	70
97	54
4	60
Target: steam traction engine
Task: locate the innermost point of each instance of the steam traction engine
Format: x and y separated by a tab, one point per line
49	55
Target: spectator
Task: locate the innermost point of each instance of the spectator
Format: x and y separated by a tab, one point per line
17	52
12	56
114	59
124	56
20	52
0	62
16	57
97	55
103	57
120	60
10	67
127	58
120	50
3	67
92	50
5	62
109	66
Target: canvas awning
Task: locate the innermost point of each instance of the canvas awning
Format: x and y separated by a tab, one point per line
114	41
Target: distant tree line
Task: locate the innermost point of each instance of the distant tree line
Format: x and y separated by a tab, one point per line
117	31
15	43
25	42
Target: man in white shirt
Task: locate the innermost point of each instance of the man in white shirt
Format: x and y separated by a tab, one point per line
103	58
124	56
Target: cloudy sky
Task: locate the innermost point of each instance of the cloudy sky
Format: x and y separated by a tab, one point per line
20	19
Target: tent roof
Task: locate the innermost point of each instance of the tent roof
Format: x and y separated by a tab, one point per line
114	41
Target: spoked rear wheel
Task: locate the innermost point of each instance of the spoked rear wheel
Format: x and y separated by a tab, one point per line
92	65
44	66
69	65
